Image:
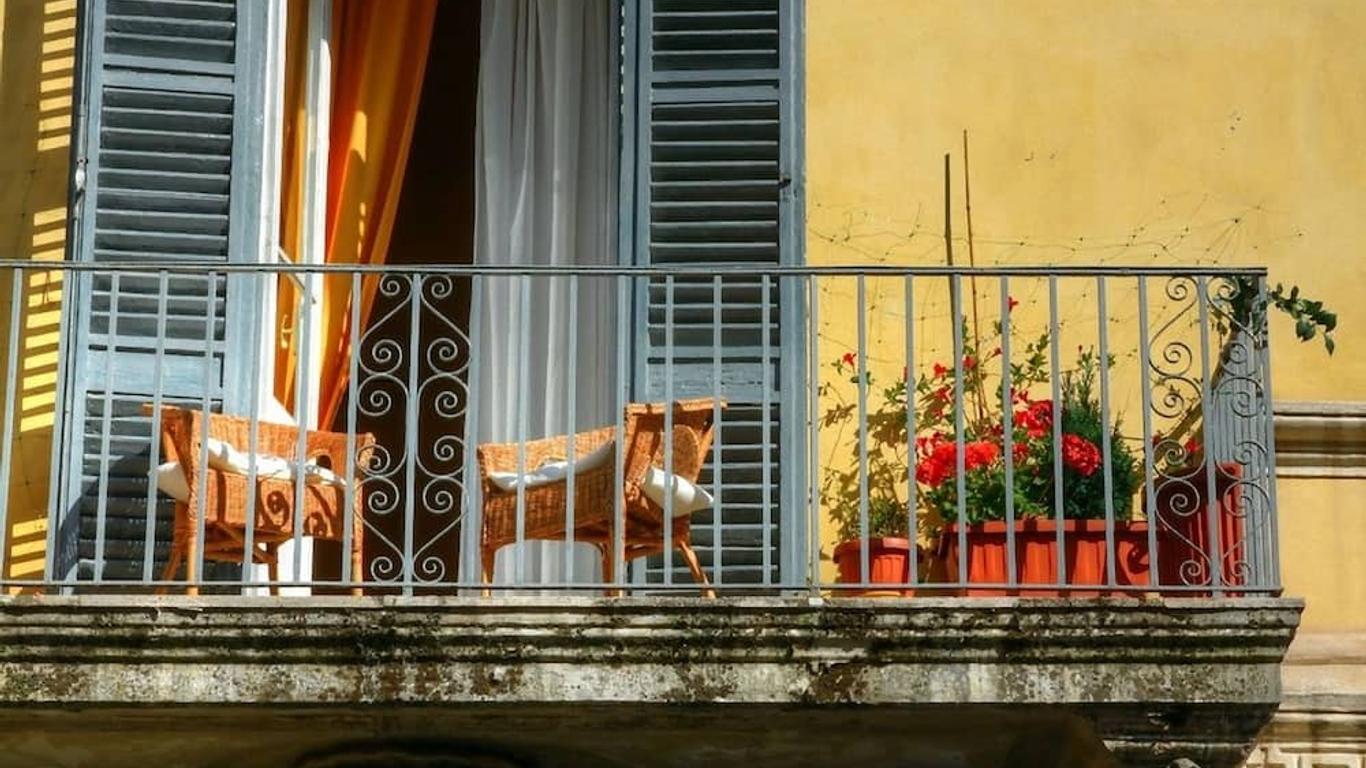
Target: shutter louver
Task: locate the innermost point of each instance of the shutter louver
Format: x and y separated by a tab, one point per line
710	112
171	171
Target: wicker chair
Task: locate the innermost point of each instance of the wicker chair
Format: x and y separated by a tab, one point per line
225	503
594	490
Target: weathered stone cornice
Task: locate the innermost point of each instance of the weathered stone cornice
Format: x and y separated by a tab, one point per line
1320	438
1149	675
248	633
922	630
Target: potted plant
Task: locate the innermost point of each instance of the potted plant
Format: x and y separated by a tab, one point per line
888	537
1036	530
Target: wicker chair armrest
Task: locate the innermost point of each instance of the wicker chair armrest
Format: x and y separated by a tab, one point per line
503	457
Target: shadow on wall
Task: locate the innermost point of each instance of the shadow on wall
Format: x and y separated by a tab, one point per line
37	67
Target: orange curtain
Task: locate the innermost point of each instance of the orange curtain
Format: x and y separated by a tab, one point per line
379	60
294	157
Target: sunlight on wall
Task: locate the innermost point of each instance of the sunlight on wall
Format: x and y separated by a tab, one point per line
37	48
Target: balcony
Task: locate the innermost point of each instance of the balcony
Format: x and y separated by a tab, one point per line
1044	498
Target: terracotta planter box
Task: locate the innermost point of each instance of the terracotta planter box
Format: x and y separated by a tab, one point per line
1036	556
1184	538
889	562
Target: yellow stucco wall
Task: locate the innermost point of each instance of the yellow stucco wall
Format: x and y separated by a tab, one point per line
1106	131
1101	132
37	46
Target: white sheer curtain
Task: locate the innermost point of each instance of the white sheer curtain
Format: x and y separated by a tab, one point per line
545	194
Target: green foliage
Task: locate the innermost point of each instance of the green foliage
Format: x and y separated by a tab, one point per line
1249	307
1084	495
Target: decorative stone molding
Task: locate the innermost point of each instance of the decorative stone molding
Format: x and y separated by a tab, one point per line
1320	439
1155	679
1322	719
1313	740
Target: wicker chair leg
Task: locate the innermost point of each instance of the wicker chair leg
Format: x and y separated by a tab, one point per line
696	567
608	569
192	546
273	568
172	565
486	559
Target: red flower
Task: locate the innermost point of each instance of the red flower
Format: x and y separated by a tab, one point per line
849	359
938	465
1042	412
940	371
969	362
980	454
1080	454
1012	303
1019	452
1036	419
941	463
1193	447
941	394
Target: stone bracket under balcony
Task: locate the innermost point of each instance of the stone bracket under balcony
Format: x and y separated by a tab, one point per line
978	682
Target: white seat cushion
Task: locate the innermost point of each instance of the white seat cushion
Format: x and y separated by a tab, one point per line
225	458
687	497
554	471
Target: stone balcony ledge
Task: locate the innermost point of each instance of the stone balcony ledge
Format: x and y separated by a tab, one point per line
1150	675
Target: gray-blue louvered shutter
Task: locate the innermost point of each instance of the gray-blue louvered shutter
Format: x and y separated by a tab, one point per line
711	145
169	147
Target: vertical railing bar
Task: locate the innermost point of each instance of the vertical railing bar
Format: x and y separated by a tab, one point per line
717	450
75	284
12	403
149	536
1212	503
106	423
206	416
352	519
523	362
959	424
1260	334
571	444
473	522
668	532
912	502
303	362
253	439
619	488
1055	377
766	439
1111	560
862	374
1007	431
1150	503
411	426
814	427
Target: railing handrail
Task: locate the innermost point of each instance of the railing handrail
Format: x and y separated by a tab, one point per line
850	270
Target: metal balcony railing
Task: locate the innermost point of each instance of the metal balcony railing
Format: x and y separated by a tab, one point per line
837	431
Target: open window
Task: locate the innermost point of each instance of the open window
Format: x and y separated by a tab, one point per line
326	132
